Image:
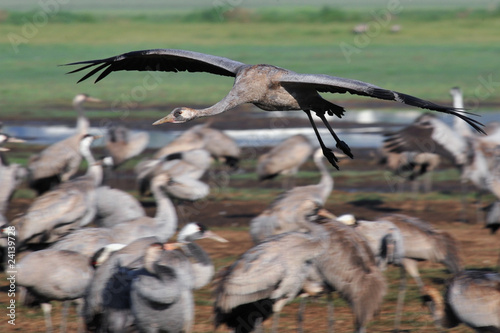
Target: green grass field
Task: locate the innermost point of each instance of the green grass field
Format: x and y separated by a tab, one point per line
436	49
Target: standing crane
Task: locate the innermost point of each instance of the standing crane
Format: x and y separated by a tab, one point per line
268	87
290	211
122	144
285	158
68	207
59	162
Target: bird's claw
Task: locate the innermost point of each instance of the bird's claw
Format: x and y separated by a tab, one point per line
345	148
330	156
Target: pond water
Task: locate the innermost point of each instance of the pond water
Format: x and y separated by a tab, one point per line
364	136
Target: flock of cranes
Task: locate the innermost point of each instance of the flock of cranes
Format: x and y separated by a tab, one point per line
95	245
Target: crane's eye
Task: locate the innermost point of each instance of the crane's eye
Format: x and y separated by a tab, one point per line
178	113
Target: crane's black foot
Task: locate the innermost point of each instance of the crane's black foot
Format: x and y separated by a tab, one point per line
345	148
330	156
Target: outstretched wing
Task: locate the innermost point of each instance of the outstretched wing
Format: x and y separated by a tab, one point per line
332	84
165	60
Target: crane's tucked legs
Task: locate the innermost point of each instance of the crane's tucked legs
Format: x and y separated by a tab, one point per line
326	151
340	144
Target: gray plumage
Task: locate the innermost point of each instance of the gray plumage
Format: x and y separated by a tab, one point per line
220	145
68	207
122	144
161	294
472	298
291	211
60	161
285	158
266	277
348	266
107	301
55	275
268	87
184	169
163	226
11	174
115	206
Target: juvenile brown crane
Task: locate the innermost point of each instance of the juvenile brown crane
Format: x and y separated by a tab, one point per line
268	87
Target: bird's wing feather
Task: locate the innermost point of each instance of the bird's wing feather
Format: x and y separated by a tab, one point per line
333	84
166	60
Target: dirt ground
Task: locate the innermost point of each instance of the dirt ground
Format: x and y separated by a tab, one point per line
230	218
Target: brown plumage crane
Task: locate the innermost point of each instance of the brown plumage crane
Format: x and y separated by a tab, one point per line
268	87
285	158
122	144
472	298
288	211
68	207
60	161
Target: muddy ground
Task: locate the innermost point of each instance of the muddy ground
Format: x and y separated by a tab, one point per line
230	218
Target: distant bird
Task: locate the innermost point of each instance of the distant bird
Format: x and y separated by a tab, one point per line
285	158
68	207
122	144
220	145
290	211
59	162
360	28
267	277
411	165
57	275
472	298
82	123
185	170
268	87
109	213
11	174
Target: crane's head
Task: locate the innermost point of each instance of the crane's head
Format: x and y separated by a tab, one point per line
178	115
193	231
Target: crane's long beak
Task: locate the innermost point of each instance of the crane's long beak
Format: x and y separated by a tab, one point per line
326	214
171	246
166	119
93	99
214	236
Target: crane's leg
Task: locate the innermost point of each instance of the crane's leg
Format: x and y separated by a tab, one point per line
276	322
331	318
64	316
463	189
300	315
330	156
340	144
79	311
47	309
401	298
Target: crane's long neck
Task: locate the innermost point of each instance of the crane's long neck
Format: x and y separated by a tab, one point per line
82	123
202	264
460	126
231	100
166	217
94	168
438	310
326	181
